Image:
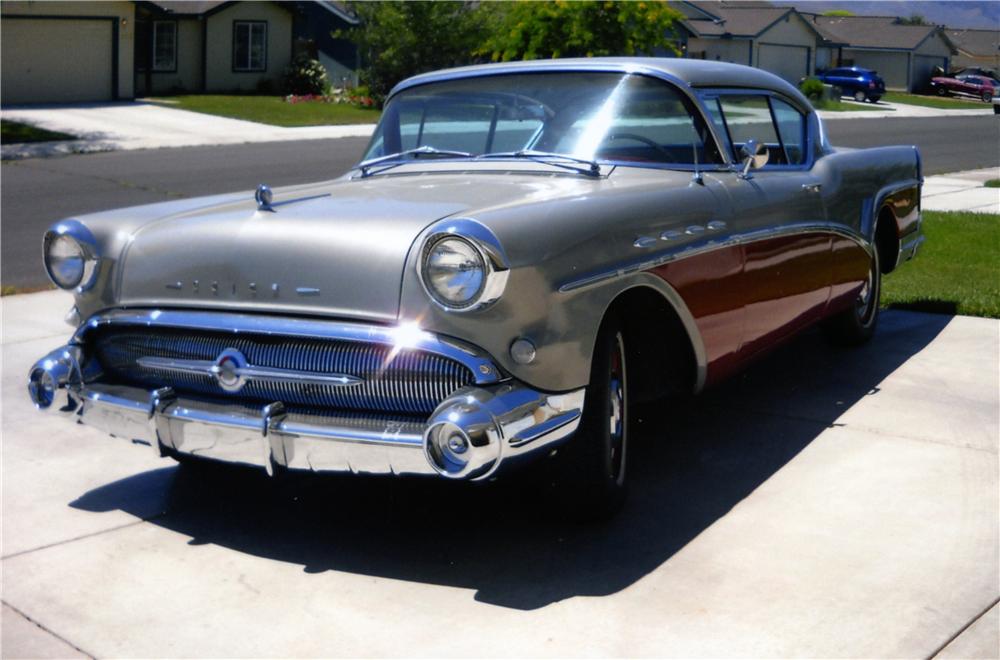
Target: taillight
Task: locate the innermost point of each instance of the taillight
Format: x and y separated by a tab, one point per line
871	85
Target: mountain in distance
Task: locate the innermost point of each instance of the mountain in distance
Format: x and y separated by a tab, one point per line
982	15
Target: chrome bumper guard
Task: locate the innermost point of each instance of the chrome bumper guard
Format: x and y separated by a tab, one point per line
468	436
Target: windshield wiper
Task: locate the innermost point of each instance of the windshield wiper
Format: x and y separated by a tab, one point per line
426	150
592	169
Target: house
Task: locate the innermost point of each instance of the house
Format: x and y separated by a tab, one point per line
905	56
975	48
314	28
66	51
211	46
121	50
777	39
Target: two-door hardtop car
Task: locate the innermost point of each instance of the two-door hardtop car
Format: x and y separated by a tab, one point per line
525	251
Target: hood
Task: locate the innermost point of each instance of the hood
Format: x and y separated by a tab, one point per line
337	248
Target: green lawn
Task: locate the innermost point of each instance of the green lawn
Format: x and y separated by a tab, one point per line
957	270
943	102
12	132
273	110
992	183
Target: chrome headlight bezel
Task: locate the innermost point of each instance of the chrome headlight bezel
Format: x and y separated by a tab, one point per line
82	239
496	268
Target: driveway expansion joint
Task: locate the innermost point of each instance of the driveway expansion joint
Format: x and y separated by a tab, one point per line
961	630
50	631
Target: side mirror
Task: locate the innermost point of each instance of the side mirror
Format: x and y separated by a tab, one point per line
755	155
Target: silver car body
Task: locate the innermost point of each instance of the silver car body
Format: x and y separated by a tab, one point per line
348	252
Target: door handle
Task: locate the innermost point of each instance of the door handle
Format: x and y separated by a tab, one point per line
812	187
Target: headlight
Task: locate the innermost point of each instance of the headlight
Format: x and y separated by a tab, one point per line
462	265
70	255
455	272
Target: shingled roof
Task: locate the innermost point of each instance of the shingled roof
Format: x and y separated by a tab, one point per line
871	31
979	43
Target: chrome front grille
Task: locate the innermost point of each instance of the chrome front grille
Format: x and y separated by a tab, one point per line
405	382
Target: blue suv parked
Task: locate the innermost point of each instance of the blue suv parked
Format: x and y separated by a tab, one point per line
862	84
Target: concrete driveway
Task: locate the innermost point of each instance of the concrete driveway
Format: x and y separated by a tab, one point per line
140	125
828	503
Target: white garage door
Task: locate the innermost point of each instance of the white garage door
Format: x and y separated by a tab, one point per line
46	61
788	62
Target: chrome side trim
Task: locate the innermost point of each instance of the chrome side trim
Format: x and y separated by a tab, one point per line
249	372
402	337
708	245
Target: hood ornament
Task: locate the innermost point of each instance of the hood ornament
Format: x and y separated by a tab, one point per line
263	197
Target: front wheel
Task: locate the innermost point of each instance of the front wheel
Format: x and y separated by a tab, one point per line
856	325
591	468
941	91
987	97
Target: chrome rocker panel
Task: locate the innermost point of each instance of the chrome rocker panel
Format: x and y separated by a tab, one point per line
468	436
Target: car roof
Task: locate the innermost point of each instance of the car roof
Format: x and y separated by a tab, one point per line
686	72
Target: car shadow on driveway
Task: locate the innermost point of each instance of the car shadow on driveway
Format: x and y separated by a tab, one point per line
693	461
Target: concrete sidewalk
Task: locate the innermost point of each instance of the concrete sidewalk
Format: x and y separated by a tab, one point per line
962	191
827	503
885	109
139	125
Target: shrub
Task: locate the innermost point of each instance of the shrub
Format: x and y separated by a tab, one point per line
812	88
305	76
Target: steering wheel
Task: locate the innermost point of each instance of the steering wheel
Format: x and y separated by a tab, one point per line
638	138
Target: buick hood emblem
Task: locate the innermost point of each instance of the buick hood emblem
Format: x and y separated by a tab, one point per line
229	370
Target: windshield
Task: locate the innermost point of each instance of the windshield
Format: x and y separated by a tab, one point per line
587	115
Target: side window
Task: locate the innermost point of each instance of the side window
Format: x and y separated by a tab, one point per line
791	129
769	120
749	117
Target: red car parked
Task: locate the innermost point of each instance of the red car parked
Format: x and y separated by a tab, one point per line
979	86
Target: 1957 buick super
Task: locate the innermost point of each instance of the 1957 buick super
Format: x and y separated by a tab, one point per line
525	251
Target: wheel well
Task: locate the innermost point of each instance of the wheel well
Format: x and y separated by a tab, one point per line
659	353
887	240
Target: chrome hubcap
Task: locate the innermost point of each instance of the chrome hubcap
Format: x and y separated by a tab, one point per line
617	414
868	295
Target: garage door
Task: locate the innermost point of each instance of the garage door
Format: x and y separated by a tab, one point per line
788	62
45	61
923	70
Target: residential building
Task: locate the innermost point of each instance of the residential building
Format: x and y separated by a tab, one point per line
66	51
777	39
905	56
120	50
975	48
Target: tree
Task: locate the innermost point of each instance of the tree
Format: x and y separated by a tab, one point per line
839	12
913	19
581	28
401	39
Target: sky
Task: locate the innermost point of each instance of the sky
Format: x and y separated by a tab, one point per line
983	14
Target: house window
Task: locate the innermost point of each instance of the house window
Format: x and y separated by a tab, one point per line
164	45
249	46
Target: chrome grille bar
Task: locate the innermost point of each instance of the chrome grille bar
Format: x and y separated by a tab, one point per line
316	373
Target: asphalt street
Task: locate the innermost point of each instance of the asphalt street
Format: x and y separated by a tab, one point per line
37	192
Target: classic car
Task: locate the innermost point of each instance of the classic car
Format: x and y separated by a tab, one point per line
974	85
524	252
861	84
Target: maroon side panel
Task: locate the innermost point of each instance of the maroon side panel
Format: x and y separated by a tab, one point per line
786	281
849	268
746	300
905	205
709	283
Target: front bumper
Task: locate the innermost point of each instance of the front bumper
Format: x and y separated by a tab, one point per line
469	436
